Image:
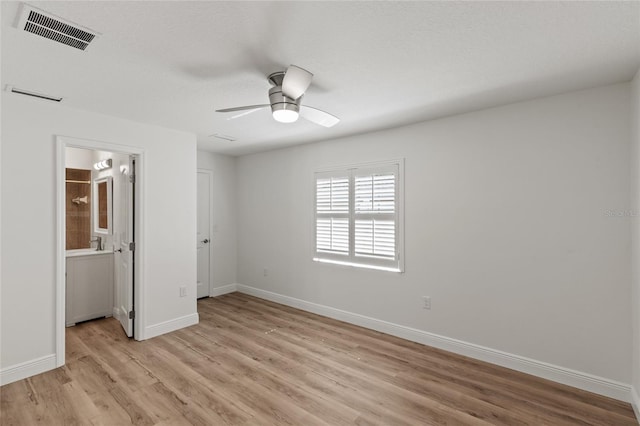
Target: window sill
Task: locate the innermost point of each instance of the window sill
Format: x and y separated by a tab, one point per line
357	265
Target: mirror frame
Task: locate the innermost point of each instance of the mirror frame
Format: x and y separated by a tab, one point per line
96	211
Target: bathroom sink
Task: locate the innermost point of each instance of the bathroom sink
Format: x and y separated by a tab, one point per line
86	252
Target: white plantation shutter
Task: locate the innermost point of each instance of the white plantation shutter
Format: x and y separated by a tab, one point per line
333	235
375	213
375	238
332	194
332	215
375	191
357	216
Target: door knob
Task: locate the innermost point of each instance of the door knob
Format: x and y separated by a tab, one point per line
206	240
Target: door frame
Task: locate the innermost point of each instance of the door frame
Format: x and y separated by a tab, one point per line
63	142
210	173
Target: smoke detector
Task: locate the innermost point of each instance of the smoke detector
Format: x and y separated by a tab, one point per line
44	24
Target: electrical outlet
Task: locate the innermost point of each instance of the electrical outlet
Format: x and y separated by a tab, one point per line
427	302
183	291
265	272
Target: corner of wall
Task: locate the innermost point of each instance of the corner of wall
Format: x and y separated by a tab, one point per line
635	402
27	369
171	325
225	289
635	241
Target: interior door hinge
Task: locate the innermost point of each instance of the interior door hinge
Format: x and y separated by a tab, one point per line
132	314
132	178
132	246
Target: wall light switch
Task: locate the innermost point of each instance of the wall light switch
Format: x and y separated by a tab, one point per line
183	291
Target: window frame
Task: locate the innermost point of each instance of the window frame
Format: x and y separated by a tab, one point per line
363	261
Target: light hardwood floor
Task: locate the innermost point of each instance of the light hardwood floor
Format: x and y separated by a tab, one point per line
250	361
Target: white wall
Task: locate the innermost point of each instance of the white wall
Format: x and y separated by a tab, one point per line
77	158
508	229
635	232
223	234
28	241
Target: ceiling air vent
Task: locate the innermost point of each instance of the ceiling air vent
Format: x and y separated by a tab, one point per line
41	23
223	137
12	89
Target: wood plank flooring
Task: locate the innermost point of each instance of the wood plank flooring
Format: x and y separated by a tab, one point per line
253	362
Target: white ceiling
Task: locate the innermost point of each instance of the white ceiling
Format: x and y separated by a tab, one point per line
376	64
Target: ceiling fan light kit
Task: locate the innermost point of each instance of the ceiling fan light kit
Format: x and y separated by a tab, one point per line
285	97
283	108
285	115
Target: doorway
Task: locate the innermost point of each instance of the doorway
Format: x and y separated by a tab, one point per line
203	242
112	254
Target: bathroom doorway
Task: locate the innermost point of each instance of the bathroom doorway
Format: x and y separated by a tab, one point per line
99	235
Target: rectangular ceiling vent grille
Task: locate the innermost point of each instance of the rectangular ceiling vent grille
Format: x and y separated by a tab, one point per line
12	89
223	137
48	26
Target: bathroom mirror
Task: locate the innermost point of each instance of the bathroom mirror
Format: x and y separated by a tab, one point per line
102	202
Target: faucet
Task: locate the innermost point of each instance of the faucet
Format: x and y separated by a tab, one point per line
99	245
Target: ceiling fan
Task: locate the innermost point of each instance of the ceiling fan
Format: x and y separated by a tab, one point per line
285	97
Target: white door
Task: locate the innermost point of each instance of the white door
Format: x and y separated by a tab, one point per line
204	233
124	244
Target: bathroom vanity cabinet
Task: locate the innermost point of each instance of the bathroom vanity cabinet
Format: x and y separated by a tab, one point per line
89	291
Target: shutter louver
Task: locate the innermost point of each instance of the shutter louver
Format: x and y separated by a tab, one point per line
375	238
332	195
375	193
332	235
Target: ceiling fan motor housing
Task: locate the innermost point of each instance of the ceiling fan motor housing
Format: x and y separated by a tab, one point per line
281	102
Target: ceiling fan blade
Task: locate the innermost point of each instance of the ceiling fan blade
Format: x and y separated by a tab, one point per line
318	116
296	82
243	108
242	114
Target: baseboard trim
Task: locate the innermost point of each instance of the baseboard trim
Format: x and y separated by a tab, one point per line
27	369
171	325
219	291
566	376
635	402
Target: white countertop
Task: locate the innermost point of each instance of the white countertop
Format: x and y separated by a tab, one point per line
87	252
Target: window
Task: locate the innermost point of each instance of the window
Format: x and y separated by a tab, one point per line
357	216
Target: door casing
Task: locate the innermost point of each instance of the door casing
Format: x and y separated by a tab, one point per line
209	173
63	142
